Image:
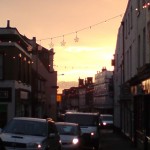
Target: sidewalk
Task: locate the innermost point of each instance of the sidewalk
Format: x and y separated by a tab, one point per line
115	141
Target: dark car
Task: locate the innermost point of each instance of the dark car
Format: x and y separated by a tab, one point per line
89	124
31	133
106	121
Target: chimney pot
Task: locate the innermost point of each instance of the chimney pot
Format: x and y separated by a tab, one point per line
8	23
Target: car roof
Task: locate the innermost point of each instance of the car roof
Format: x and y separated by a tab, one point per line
84	113
66	123
106	115
32	119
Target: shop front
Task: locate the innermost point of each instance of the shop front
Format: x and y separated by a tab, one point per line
141	94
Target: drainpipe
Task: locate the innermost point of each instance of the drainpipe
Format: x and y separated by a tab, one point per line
123	49
123	72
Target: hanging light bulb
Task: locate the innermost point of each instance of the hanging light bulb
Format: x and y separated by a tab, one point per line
51	45
63	43
76	38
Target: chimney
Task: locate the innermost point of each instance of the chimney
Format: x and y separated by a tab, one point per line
8	23
104	69
81	82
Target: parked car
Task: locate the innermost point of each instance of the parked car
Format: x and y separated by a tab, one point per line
70	135
106	121
89	124
31	133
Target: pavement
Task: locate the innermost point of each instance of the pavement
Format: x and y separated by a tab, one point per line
111	140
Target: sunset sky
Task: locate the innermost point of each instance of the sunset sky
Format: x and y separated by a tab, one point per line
93	23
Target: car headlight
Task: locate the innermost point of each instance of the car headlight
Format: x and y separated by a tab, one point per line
60	141
92	133
104	123
34	145
75	140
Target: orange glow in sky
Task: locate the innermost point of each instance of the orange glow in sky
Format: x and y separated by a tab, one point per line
54	21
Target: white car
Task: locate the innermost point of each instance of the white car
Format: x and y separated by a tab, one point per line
30	133
70	135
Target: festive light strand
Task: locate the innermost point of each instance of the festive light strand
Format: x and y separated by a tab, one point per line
76	39
75	32
66	67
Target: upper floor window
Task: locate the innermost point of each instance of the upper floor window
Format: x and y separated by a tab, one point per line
139	51
1	66
19	66
144	46
128	23
138	7
143	3
126	28
131	18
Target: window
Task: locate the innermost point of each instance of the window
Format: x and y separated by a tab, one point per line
1	66
138	7
143	3
28	72
144	46
130	57
129	23
126	28
131	18
19	67
128	66
139	47
23	70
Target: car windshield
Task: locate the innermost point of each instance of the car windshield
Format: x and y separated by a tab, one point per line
107	118
26	127
67	129
82	119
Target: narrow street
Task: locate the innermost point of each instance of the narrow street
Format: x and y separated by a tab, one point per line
114	141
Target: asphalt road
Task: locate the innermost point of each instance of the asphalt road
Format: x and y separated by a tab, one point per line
111	140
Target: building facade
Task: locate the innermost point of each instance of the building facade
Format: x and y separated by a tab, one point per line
28	82
15	75
103	92
79	98
132	74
